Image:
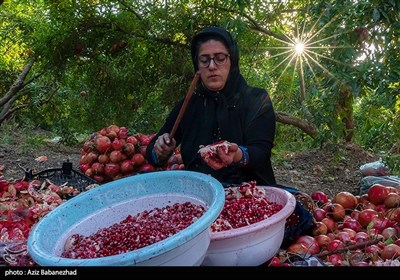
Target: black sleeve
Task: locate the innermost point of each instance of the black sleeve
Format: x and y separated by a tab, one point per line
259	138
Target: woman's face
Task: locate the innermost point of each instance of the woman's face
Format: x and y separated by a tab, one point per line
215	75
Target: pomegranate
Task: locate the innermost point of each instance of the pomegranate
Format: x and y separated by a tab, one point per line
128	149
89	172
389	232
343	236
274	261
132	139
99	178
211	151
144	139
322	240
127	166
377	193
390	251
337	212
335	244
335	259
330	223
116	156
320	197
393	214
365	216
84	167
112	127
319	214
298	248
319	228
123	132
111	169
346	199
309	243
380	223
138	159
98	168
392	200
351	232
146	167
103	158
102	143
351	223
361	236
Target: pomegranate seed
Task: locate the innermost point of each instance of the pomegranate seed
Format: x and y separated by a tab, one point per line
134	232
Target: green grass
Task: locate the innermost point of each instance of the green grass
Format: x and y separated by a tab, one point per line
32	142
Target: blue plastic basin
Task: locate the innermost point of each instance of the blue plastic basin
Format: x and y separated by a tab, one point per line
112	202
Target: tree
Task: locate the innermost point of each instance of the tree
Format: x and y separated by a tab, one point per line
128	62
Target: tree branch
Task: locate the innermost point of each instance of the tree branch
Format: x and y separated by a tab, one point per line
11	111
349	247
308	128
18	84
130	9
255	26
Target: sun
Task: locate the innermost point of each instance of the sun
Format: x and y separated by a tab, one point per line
299	47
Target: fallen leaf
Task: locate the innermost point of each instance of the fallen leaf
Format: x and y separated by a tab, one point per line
41	158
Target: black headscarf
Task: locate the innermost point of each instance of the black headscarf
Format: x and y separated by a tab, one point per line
235	79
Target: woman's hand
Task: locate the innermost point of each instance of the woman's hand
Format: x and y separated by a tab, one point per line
222	157
164	146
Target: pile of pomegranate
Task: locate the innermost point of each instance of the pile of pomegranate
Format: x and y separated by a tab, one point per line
22	205
351	230
112	153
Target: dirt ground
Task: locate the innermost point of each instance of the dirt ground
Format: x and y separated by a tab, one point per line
329	170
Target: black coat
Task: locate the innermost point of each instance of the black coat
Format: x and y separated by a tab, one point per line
238	113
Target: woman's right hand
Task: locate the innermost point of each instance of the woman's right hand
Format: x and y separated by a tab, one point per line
164	146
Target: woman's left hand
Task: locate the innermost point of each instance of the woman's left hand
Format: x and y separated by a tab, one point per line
223	157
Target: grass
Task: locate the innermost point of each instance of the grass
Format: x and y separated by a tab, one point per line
26	138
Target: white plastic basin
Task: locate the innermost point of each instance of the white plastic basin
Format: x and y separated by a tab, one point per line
254	244
113	201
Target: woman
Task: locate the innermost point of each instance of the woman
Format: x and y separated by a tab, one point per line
223	107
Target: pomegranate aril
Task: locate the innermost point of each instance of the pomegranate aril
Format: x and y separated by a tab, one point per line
244	205
135	232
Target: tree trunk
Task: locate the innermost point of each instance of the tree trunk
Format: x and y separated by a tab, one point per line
7	101
345	111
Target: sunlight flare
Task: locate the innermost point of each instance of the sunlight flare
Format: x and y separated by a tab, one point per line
304	50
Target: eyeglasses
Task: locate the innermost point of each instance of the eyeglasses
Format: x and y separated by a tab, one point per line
219	59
